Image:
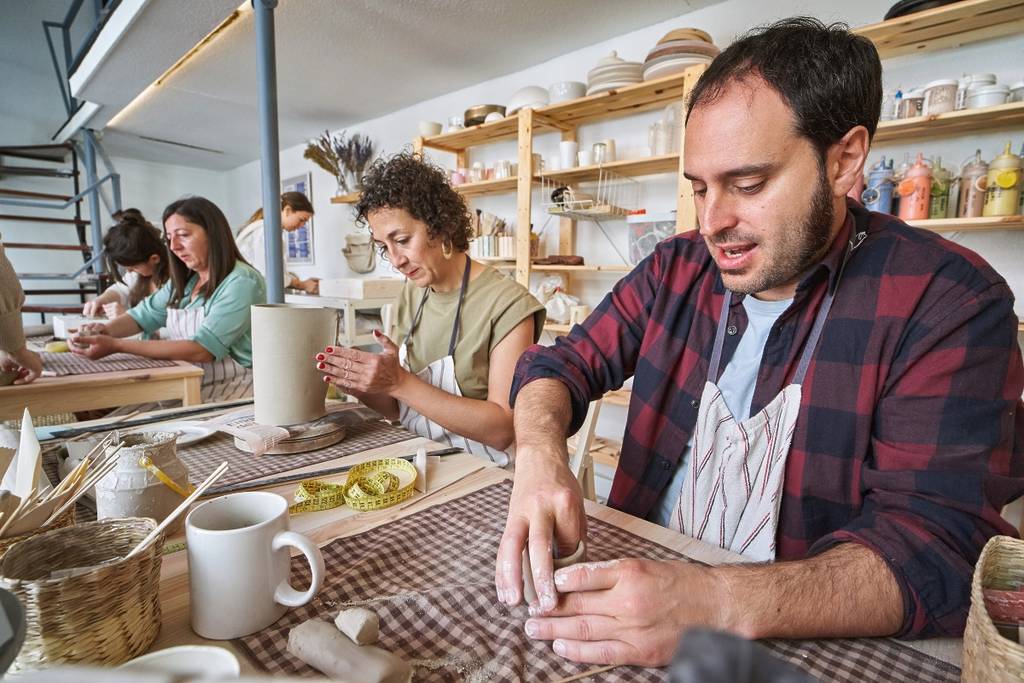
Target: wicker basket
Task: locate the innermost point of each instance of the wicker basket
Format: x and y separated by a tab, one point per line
103	617
988	655
67	518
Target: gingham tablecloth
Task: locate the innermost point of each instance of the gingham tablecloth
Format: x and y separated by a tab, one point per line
363	433
430	578
63	364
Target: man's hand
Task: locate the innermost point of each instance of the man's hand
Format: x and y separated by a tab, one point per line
546	507
630	611
94	346
25	362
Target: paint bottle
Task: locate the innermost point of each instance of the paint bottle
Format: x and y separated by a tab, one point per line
898	175
1002	191
915	191
972	187
878	195
941	180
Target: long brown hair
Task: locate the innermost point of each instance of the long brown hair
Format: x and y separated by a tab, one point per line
296	201
131	242
222	255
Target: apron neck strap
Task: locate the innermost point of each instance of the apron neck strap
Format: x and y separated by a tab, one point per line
812	341
458	310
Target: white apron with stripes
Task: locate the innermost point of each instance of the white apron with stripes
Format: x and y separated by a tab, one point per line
441	374
733	490
223	380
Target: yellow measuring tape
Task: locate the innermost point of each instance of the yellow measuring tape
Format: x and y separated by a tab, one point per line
373	485
147	462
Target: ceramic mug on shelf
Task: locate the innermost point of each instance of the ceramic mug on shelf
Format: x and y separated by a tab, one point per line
238	564
567	150
585	157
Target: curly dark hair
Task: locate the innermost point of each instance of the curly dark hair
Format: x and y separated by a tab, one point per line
408	181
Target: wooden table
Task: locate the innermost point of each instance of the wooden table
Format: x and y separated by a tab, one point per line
49	395
454	477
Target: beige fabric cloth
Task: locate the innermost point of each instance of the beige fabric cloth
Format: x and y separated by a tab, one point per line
12	298
493	307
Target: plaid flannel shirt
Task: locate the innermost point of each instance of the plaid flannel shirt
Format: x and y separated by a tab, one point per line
910	436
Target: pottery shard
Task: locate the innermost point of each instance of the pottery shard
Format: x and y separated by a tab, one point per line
359	624
529	591
328	650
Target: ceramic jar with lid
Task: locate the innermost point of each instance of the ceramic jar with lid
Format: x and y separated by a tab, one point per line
969	81
1017	92
940	96
972	187
915	191
911	104
987	96
1002	189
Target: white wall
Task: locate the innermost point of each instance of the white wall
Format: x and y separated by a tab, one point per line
725	22
146	186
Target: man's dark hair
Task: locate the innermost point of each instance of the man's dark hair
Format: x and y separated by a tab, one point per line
830	77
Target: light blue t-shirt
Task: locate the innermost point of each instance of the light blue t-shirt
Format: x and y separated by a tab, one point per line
737	384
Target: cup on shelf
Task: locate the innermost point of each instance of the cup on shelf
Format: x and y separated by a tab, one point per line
502	169
430	128
476	172
455	123
609	149
939	97
457	178
585	157
567	150
599	153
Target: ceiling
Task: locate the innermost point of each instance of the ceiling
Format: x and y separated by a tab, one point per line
338	63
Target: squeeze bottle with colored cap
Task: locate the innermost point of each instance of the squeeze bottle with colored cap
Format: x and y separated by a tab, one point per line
915	191
972	187
1003	189
941	180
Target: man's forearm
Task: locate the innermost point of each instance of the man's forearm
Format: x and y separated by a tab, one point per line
847	591
542	414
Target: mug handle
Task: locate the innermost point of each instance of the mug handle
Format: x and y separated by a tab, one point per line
285	594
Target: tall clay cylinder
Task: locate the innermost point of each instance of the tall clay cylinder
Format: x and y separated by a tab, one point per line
287	386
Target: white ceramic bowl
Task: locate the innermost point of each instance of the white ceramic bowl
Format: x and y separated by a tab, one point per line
493	116
987	96
566	90
205	662
429	128
530	96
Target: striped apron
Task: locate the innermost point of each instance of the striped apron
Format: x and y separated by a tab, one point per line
224	379
733	487
441	374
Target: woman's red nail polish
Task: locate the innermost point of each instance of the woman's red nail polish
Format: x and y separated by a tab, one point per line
327	379
320	356
330	349
321	366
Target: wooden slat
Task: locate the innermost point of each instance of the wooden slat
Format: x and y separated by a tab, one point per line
984	119
556	328
479	134
44	219
33	195
499	186
667	163
350	198
48	247
610	268
956	24
971	224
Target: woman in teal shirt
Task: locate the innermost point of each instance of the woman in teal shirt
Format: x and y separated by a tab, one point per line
204	306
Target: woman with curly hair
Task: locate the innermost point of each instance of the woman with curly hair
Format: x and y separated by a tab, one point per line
460	325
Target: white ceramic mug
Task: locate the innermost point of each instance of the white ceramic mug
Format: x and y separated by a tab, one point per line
238	564
567	150
585	157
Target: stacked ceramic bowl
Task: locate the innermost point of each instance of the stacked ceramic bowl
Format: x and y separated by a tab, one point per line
613	72
677	51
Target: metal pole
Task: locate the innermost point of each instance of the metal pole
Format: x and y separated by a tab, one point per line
266	77
95	222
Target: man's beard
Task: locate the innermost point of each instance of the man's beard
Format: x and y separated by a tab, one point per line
789	258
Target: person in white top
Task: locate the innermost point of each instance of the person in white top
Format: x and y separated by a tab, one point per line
136	246
296	210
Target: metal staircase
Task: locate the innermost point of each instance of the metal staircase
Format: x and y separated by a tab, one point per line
63	163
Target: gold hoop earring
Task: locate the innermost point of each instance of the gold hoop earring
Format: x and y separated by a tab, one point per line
446	249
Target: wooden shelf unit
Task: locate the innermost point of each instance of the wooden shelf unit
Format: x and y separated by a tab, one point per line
482	187
952	123
584	269
983	224
350	198
666	163
957	24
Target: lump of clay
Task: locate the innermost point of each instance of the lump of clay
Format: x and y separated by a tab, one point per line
529	591
359	624
326	649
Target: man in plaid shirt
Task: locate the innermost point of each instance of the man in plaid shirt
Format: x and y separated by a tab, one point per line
907	439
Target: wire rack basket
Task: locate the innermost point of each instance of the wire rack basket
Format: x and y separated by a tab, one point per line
611	196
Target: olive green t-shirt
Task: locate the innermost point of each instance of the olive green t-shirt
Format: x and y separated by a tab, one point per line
494	305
